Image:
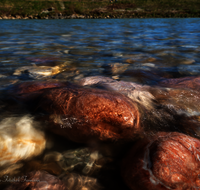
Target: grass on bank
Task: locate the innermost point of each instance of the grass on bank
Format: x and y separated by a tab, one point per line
86	7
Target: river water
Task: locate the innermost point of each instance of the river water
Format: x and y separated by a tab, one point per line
134	50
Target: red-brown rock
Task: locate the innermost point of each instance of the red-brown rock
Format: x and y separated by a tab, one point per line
170	161
185	82
33	86
83	114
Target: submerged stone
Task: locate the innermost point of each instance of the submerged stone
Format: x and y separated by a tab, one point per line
185	82
170	161
19	140
36	72
84	114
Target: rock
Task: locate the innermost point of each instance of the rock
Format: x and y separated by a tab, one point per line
169	161
36	72
29	87
83	114
73	16
139	10
185	82
136	92
161	109
75	181
0	18
45	11
88	161
147	75
94	80
19	140
115	68
50	167
149	64
5	17
187	61
81	16
18	17
150	59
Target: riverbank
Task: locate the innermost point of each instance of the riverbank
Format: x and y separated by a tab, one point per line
66	9
167	14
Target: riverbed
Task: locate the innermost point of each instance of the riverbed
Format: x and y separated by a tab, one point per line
143	51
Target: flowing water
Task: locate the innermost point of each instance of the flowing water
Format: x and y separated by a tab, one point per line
134	50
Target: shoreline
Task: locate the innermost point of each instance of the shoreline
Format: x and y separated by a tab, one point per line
166	14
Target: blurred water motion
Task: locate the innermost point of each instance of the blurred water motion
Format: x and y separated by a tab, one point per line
151	63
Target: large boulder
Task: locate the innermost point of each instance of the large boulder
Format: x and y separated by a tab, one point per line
169	161
82	114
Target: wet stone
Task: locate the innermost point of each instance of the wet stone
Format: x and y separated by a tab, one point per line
19	141
36	72
115	68
184	82
187	61
85	115
166	162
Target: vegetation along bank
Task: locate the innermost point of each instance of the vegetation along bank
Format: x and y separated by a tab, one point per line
66	9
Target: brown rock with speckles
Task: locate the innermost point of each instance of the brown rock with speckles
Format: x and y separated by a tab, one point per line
83	114
170	161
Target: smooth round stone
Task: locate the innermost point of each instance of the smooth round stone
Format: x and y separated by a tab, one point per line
169	161
84	115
